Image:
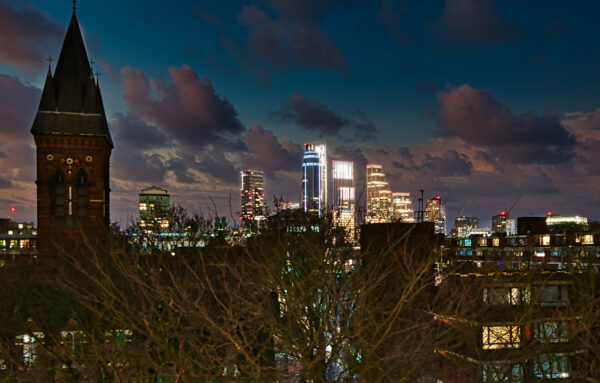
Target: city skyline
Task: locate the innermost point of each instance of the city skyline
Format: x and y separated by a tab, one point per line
530	141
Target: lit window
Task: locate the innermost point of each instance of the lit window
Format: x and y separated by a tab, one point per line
502	295
496	242
540	253
552	366
496	337
586	239
482	241
544	240
553	332
143	206
502	373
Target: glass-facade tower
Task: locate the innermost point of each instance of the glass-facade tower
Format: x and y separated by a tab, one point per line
314	178
252	197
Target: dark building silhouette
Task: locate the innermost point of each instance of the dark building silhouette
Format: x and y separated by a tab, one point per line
73	146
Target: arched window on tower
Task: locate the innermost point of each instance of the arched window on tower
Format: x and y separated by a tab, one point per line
82	194
58	194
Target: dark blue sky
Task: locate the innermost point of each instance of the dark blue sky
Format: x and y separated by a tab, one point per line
484	101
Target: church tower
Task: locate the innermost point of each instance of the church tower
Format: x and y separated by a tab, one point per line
73	147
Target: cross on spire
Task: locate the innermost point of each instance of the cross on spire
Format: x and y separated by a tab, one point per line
92	62
74	5
98	74
49	59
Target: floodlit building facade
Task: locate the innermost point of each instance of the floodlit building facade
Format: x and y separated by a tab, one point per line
435	212
378	195
463	226
314	178
252	197
499	223
154	204
525	322
402	209
344	194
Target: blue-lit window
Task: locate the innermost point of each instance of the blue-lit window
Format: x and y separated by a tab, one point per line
551	366
552	332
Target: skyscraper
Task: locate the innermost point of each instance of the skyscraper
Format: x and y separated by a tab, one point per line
73	146
499	222
435	212
314	178
378	195
154	204
464	226
253	197
344	195
402	207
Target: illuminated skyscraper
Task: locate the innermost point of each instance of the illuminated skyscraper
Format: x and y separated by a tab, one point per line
435	212
344	195
464	226
378	196
499	222
314	179
253	198
154	204
402	207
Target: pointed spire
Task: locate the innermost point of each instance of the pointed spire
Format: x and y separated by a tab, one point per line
91	97
48	100
72	70
72	94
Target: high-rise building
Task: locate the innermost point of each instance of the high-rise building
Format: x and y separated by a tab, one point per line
378	195
435	212
464	226
154	204
73	148
253	197
402	210
344	195
499	223
314	178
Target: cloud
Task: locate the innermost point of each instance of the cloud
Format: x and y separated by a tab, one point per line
188	109
475	22
268	154
18	104
315	116
136	134
583	121
180	166
449	163
474	116
26	36
137	166
4	183
216	165
293	37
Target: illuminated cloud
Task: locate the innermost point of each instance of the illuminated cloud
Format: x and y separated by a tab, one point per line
187	108
268	154
474	116
26	35
475	22
315	116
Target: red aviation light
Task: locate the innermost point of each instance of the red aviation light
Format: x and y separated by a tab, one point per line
438	197
549	214
12	210
502	212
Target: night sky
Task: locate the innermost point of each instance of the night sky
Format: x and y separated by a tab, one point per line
484	102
